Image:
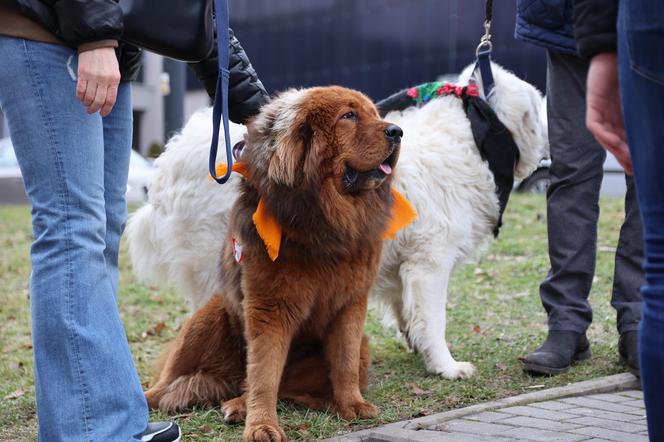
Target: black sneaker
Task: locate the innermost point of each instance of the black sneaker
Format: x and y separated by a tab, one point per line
161	432
556	355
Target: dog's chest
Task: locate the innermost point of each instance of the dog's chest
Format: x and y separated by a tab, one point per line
317	291
337	288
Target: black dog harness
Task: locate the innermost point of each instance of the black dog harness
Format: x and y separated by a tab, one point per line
494	141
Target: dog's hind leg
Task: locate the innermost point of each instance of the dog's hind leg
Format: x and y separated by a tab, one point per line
307	381
424	313
235	410
203	389
205	364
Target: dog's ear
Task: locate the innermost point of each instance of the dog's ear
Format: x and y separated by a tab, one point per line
285	166
530	133
518	105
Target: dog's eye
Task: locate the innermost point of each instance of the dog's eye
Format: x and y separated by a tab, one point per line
352	115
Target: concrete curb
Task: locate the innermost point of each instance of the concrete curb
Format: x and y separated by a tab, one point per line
608	384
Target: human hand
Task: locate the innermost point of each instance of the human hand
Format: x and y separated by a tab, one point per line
98	80
603	112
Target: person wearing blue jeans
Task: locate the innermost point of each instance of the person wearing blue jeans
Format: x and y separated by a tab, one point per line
70	121
64	89
633	134
75	169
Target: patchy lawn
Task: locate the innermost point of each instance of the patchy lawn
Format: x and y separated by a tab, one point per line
494	317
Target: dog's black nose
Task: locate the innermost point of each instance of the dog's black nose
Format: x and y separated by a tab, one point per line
393	132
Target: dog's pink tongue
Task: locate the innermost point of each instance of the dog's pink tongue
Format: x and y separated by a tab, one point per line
386	168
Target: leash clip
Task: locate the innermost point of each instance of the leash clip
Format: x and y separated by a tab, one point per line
485	41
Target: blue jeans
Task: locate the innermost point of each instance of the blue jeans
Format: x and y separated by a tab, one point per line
75	169
641	58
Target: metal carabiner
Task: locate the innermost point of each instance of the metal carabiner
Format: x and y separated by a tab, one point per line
485	41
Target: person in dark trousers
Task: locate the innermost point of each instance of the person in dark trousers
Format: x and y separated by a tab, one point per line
572	204
64	89
639	44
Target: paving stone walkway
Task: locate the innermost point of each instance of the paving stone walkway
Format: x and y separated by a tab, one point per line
617	416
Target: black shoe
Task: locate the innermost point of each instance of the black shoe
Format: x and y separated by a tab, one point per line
556	355
628	347
161	432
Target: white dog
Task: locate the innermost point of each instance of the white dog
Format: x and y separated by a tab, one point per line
176	238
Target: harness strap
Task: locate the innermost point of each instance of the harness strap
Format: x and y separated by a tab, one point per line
493	140
220	108
496	146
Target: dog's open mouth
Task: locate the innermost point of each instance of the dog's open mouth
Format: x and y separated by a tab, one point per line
354	179
388	163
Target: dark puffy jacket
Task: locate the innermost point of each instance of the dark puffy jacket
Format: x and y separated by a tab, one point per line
81	21
246	93
548	23
595	26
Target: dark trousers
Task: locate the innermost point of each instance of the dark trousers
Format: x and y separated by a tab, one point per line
573	209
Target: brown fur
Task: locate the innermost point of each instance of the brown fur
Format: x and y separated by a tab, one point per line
292	328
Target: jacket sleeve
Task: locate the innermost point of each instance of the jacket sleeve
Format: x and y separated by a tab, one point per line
246	93
595	26
84	21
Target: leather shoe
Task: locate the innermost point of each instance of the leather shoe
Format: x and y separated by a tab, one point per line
556	355
628	347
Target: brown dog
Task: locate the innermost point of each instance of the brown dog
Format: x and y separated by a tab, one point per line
319	162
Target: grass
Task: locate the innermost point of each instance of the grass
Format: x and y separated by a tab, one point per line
495	316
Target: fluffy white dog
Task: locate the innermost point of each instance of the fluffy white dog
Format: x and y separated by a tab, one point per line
176	238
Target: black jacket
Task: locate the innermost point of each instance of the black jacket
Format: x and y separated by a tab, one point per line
74	21
595	26
246	93
81	21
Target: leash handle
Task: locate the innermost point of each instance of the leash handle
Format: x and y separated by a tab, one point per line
220	108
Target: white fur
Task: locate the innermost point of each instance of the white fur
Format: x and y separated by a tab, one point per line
440	171
176	237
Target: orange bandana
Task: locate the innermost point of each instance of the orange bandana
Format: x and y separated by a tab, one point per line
403	213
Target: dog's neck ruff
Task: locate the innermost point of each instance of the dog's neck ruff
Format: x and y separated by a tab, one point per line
401	215
493	140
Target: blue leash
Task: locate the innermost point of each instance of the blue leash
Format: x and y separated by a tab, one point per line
220	108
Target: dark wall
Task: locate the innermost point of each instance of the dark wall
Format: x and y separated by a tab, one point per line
376	46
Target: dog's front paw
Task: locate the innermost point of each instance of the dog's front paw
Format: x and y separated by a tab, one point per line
264	433
455	370
361	409
235	410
